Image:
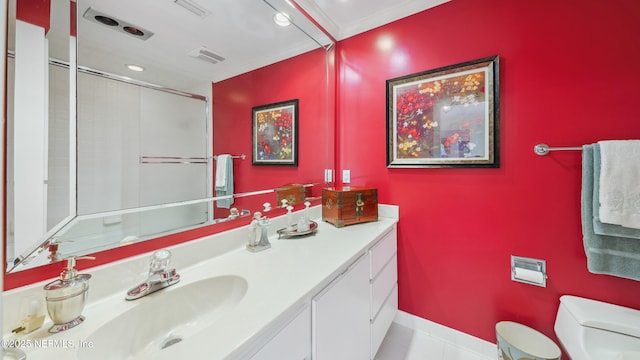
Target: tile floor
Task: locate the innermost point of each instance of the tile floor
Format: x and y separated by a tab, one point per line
403	343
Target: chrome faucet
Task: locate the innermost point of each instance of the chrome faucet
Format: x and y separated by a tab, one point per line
159	277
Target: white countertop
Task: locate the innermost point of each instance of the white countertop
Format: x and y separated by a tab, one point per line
280	280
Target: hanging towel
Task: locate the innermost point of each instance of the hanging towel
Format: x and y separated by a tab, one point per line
598	226
224	180
612	255
221	169
619	182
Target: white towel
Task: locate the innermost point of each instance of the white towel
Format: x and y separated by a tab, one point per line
620	182
221	170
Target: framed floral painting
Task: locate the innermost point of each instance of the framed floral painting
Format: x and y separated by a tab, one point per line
446	117
275	134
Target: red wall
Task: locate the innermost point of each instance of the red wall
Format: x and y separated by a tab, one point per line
36	12
304	78
567	79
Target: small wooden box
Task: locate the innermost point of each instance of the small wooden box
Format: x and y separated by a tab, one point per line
349	205
294	194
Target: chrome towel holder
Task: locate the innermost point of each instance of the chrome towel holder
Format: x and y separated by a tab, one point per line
544	149
182	160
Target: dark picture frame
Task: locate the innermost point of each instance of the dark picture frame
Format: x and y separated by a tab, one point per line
275	134
445	117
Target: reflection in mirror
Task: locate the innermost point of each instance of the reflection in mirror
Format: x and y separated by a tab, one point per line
139	146
39	148
147	141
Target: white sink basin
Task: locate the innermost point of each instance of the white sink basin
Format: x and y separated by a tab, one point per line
165	318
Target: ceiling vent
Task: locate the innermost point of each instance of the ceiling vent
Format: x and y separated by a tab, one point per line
193	7
116	24
205	54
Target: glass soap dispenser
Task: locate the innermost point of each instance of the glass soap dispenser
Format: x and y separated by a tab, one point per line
66	296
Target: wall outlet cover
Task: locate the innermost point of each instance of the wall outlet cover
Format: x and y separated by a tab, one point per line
346	176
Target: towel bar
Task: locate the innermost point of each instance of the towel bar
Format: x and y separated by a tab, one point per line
544	149
173	160
181	159
243	156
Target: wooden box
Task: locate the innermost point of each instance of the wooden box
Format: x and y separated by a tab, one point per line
294	194
349	205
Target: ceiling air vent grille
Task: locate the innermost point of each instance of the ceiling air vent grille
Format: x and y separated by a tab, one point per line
116	24
207	55
192	6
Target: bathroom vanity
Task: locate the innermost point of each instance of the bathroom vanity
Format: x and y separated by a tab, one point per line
332	295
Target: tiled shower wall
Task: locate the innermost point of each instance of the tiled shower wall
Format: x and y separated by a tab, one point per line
118	123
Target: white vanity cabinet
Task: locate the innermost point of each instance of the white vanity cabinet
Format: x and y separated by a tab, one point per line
293	342
331	296
351	316
341	316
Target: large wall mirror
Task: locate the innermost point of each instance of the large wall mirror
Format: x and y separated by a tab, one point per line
118	111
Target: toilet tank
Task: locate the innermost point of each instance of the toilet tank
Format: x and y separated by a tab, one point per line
594	330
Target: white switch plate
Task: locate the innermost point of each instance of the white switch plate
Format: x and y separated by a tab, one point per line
328	175
346	176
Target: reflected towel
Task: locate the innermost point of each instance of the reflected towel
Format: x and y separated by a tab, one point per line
221	170
598	226
612	255
619	185
224	180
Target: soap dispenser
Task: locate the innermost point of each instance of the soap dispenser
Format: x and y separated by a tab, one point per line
66	296
303	221
289	217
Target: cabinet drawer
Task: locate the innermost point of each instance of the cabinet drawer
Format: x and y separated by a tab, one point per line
382	252
382	284
380	325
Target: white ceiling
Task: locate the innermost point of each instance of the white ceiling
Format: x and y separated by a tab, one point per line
345	18
242	31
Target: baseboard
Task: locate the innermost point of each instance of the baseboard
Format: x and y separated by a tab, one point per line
457	338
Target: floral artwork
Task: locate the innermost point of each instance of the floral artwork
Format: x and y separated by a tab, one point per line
275	129
445	117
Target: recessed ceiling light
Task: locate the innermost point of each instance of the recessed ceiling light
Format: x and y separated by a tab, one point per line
282	19
106	20
133	67
133	30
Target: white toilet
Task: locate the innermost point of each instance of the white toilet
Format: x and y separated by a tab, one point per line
594	330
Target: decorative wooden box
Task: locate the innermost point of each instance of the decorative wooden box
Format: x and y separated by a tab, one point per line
294	194
349	205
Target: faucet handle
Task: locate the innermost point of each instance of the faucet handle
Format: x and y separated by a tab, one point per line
160	260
